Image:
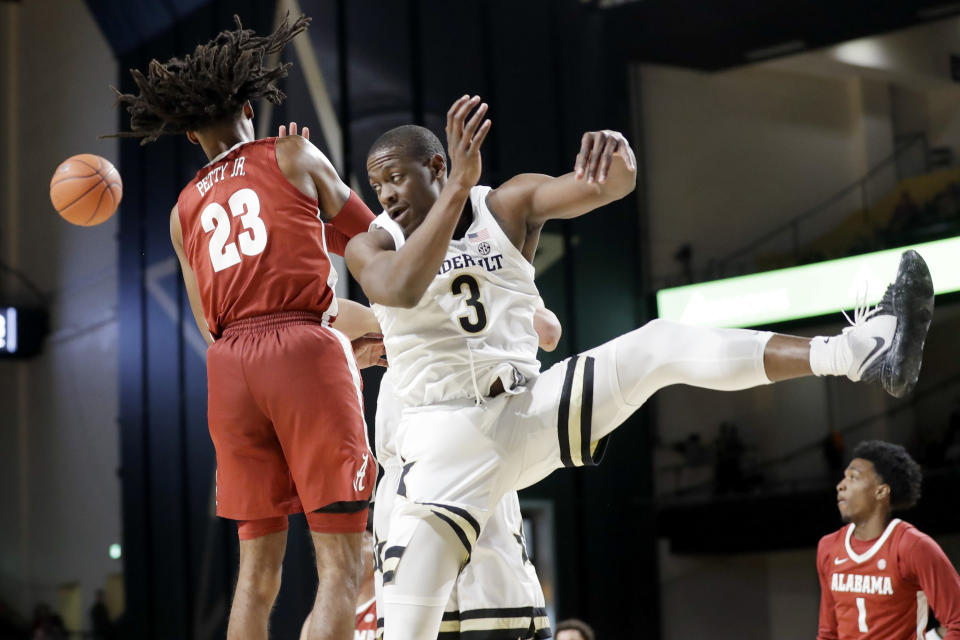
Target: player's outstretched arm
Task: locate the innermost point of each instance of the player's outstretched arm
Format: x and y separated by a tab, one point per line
189	278
398	278
355	319
605	170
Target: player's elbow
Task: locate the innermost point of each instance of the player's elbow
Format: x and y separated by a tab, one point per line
548	328
400	297
550	344
407	298
622	187
549	336
621	183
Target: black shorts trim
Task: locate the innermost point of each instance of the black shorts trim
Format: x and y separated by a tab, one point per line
352	506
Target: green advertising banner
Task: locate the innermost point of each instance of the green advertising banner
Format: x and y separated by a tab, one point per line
805	291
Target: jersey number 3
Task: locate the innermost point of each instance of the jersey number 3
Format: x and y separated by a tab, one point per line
473	300
246	204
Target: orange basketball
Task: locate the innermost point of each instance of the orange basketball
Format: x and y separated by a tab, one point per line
86	189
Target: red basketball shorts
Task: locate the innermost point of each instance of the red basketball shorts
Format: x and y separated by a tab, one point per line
286	417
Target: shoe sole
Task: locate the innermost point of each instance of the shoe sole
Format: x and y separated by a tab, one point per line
913	307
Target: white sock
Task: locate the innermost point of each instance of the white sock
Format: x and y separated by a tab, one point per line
830	355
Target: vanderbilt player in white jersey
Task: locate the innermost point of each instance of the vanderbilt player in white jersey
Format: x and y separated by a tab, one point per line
515	608
498	593
452	286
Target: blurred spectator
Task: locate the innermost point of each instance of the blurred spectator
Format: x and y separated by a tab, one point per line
692	449
905	215
573	629
12	626
834	451
951	444
100	618
46	624
684	255
729	469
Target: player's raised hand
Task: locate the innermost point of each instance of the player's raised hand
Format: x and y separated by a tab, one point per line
597	150
282	133
464	138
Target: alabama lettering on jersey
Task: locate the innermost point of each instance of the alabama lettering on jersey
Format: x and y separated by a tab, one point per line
254	240
875	588
474	323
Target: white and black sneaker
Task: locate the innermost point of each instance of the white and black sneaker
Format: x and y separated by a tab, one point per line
886	342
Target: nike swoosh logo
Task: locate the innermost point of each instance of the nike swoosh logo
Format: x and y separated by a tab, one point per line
876	347
839	561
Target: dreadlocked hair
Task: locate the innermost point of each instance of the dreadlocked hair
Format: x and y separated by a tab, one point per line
209	86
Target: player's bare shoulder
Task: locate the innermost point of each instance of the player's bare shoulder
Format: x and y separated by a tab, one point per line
292	153
311	172
511	204
514	198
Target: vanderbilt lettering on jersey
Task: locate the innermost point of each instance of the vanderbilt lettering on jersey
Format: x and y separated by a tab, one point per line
473	325
465	261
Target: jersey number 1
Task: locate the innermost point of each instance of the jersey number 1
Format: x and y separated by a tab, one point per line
473	300
246	204
862	619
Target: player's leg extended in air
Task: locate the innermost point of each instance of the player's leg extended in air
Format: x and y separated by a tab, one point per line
461	457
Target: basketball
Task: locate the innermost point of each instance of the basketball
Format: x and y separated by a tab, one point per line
86	189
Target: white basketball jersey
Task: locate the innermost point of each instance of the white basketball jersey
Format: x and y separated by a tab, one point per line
473	325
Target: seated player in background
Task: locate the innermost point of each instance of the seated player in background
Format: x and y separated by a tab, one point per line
285	409
878	574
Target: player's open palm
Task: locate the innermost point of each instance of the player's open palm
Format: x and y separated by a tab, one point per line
465	135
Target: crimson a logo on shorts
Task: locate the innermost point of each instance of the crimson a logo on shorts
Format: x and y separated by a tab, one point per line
360	480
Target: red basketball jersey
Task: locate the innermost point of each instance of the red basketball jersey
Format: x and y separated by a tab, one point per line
366	628
881	588
253	239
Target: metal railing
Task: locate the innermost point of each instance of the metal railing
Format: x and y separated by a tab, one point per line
798	234
813	448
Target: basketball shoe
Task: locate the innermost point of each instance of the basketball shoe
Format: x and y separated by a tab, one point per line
885	343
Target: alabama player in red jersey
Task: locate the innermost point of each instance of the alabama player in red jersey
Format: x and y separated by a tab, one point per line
285	410
879	575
